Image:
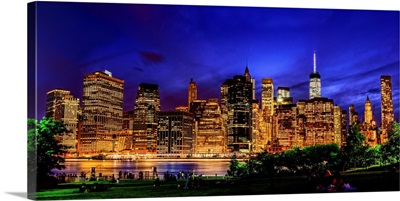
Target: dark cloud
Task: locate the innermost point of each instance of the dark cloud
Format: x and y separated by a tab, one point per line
138	69
151	57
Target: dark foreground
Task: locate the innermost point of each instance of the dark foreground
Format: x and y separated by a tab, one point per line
364	181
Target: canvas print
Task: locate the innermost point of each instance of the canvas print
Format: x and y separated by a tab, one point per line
147	100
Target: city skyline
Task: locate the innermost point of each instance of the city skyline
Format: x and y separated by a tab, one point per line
159	52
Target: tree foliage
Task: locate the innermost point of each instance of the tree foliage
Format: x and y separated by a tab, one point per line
44	151
390	149
355	147
319	158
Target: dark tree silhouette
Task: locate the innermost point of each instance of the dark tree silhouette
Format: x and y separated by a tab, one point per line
44	151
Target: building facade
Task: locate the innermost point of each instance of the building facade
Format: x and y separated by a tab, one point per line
368	111
210	138
320	122
387	113
102	103
283	97
337	125
236	106
62	106
267	95
175	133
192	92
52	100
286	134
145	121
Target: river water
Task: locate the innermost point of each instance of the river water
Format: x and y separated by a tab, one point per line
109	167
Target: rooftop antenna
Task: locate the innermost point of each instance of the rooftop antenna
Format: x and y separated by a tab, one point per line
315	63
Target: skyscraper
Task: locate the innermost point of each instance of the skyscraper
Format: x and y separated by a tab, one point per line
387	114
236	105
267	95
367	111
210	136
286	135
192	92
175	133
62	106
267	104
284	96
102	103
315	81
145	120
320	121
353	116
337	125
53	98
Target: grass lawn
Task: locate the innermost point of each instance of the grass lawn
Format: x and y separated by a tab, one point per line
364	181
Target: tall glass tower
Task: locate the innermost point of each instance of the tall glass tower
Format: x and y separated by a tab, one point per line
236	107
386	106
145	119
315	81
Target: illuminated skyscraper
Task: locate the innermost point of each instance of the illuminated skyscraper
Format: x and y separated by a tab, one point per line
53	97
62	106
102	111
387	114
337	125
250	79
236	105
192	92
320	122
210	136
286	135
284	96
175	133
367	111
315	81
344	128
353	116
267	104
145	120
267	95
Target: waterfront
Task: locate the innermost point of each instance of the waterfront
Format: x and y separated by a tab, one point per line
109	167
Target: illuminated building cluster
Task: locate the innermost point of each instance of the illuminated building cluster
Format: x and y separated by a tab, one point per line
236	123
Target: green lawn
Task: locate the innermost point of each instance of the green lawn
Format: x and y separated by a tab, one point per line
364	181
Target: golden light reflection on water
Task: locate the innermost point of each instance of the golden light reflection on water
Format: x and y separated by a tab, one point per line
109	167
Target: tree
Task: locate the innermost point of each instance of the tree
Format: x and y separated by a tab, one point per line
390	149
355	147
44	151
233	166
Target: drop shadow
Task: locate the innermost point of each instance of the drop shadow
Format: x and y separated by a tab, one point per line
19	194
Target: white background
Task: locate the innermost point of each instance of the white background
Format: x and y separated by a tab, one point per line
13	65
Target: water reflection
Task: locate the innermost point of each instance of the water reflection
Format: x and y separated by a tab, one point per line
109	167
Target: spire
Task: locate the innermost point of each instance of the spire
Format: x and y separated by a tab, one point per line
247	70
247	73
367	98
315	63
191	79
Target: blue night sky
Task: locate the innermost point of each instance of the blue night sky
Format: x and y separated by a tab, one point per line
168	45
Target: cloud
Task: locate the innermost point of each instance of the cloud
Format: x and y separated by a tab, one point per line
151	57
138	69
